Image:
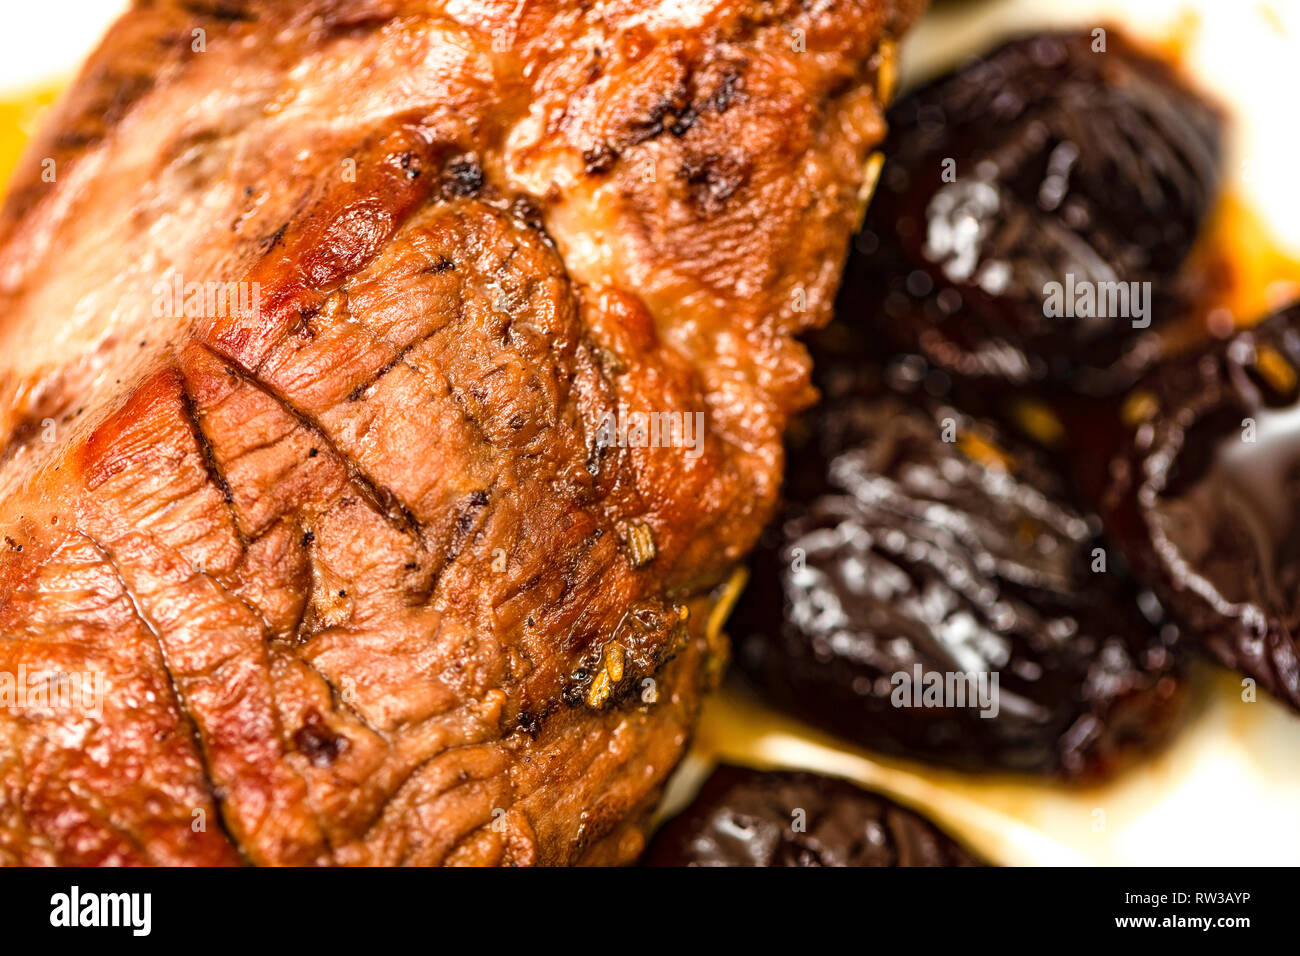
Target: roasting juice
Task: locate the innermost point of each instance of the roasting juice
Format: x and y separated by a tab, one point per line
19	117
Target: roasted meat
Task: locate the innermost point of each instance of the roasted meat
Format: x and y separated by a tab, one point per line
331	334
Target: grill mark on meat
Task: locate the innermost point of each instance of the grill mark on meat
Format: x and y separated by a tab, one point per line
119	93
79	597
403	356
182	700
231	11
214	792
304	743
398	359
674	103
461	400
383	500
599	159
357	16
411	777
676	111
209	459
214	476
352	223
266	634
465	523
730	89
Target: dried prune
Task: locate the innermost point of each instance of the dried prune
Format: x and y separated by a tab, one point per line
1205	496
1034	212
930	591
745	817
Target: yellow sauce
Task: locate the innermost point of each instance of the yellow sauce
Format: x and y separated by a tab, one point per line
1263	276
19	118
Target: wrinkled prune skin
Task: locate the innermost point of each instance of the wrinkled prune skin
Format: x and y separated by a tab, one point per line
1205	497
745	817
1067	162
899	549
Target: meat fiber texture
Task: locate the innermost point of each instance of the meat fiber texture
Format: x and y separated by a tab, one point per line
319	546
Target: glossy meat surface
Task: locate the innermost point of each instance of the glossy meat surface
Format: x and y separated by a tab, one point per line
366	579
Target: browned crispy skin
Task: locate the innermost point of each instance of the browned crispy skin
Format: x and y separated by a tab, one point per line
356	562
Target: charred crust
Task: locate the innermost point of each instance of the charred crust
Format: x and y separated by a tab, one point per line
529	723
267	243
206	452
730	89
468	517
573	694
675	112
23	433
118	92
712	179
599	159
462	177
410	164
315	741
524	209
682	124
231	11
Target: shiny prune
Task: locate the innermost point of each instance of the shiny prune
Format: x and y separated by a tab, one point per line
1205	496
1043	163
923	551
745	817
